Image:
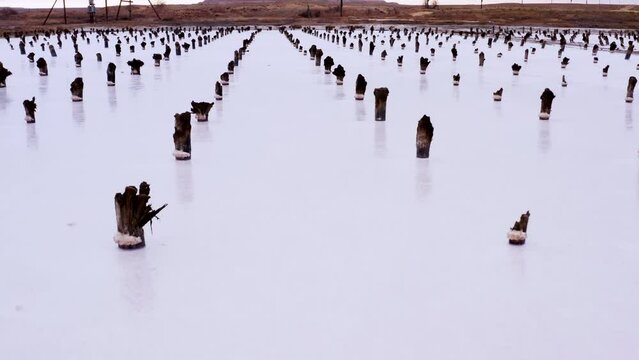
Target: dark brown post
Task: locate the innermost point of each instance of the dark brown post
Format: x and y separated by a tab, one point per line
218	91
77	87
456	79
111	74
318	57
482	58
135	65
132	212
381	96
564	83
42	67
224	78
360	87
29	110
518	233
516	67
400	60
339	73
632	82
546	104
328	64
498	94
78	59
605	71
423	65
182	136
201	110
157	58
4	74
564	62
424	138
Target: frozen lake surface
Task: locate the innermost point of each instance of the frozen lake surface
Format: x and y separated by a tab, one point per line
302	228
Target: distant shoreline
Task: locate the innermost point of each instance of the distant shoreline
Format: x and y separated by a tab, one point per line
321	13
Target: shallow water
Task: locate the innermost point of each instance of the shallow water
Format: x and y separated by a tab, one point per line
302	228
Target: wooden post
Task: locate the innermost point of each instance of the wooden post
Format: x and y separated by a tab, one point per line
4	73
111	74
360	87
201	110
339	73
632	82
381	96
77	88
424	138
517	234
29	110
497	94
546	104
328	64
218	91
182	136
132	212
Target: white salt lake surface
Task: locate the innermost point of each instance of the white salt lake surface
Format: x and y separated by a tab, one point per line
302	228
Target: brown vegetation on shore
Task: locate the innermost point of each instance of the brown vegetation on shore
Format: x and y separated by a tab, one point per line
297	12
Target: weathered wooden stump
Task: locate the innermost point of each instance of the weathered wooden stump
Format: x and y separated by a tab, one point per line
518	233
595	60
526	55
178	49
383	54
400	60
311	51
98	57
423	65
498	94
318	57
360	87
371	48
182	136
111	74
564	83
482	58
4	74
77	88
218	91
432	52
230	67
328	64
424	138
605	71
564	62
225	78
52	51
595	50
132	212
632	82
135	65
167	52
499	55
157	59
453	50
29	110
516	67
339	73
381	96
456	79
78	59
201	110
118	50
31	57
43	68
546	104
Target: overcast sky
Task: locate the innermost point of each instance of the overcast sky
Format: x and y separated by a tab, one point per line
83	3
